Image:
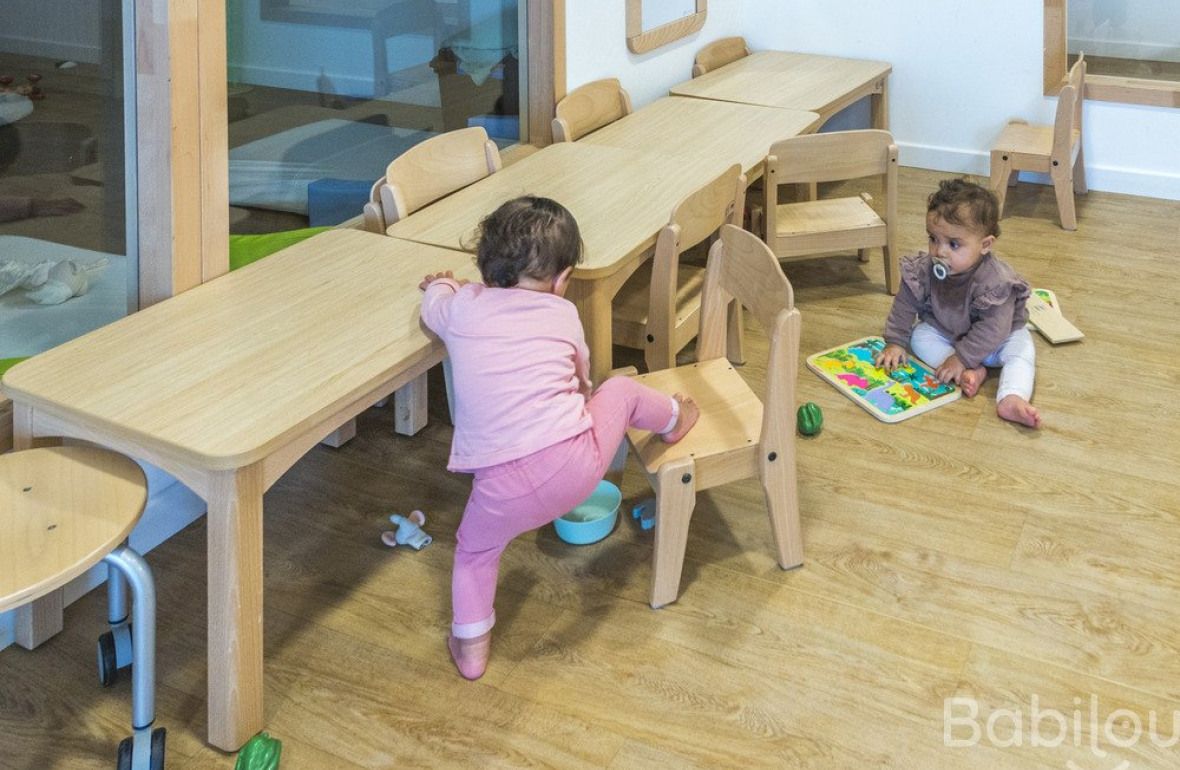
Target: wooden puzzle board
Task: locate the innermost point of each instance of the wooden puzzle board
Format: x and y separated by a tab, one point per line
890	397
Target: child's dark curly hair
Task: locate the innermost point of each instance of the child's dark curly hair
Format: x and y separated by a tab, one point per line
966	204
527	237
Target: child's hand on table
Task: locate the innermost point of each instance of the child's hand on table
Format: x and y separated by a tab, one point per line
891	357
432	277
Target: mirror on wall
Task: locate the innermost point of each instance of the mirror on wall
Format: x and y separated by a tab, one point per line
654	23
1132	48
1126	38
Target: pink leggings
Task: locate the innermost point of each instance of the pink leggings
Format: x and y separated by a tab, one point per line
525	494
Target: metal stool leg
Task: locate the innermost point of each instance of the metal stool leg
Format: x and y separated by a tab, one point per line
146	745
114	646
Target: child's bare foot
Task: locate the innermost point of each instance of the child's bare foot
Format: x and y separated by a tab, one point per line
471	655
971	379
689	412
1016	409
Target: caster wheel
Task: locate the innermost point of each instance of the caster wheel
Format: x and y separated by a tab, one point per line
159	735
108	666
156	762
124	759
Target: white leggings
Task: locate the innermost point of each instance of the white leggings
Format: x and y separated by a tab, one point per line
1017	356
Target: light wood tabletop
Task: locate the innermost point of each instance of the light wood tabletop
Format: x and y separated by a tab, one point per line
798	81
619	197
741	133
226	386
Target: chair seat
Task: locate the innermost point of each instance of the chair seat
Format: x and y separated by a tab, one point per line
812	228
62	509
631	303
731	414
825	216
1030	144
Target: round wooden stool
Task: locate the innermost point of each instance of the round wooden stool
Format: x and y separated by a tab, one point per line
63	510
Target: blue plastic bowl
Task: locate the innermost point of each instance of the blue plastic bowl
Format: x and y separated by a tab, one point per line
593	519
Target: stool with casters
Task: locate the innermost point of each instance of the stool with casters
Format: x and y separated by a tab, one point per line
62	511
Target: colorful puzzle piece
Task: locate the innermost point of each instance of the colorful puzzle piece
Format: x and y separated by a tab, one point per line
890	397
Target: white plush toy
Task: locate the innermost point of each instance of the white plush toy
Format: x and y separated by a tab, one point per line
49	282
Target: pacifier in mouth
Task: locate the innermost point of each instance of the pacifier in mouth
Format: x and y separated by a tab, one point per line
940	271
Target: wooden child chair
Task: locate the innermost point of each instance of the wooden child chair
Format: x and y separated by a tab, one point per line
1055	150
815	227
658	308
737	436
718	54
589	108
418	177
428	171
63	510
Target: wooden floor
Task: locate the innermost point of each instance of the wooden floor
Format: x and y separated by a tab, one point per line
950	556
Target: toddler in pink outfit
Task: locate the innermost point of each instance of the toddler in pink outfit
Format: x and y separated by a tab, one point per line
526	423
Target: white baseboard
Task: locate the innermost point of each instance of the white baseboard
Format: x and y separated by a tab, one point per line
171	507
1106	178
51	49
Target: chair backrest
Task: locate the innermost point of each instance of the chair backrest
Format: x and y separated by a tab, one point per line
433	169
701	213
718	54
829	157
697	216
589	108
1069	112
742	267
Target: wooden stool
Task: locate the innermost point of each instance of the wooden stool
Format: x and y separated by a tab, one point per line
63	510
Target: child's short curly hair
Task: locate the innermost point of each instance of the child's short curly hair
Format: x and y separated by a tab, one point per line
966	204
527	237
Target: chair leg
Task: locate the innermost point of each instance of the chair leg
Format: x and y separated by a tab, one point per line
735	330
892	269
675	500
658	353
1079	174
143	638
862	255
779	484
1001	176
1063	187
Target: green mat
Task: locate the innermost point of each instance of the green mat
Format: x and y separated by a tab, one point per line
8	363
244	249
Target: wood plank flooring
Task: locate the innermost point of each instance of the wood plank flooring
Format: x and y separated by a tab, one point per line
953	556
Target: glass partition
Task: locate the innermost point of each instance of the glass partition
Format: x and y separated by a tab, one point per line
323	94
66	266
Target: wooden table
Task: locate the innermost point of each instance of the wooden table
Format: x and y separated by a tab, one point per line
798	81
225	387
620	198
736	132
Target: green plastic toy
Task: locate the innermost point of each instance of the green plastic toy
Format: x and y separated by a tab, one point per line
809	419
260	753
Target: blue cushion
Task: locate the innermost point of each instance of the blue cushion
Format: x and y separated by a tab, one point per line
331	201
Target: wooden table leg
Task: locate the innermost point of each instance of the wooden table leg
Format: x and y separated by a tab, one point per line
879	105
235	606
593	303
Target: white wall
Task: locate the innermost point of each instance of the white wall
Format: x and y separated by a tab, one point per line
596	47
961	68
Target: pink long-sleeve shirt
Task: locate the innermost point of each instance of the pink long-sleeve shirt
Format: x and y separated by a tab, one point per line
519	370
